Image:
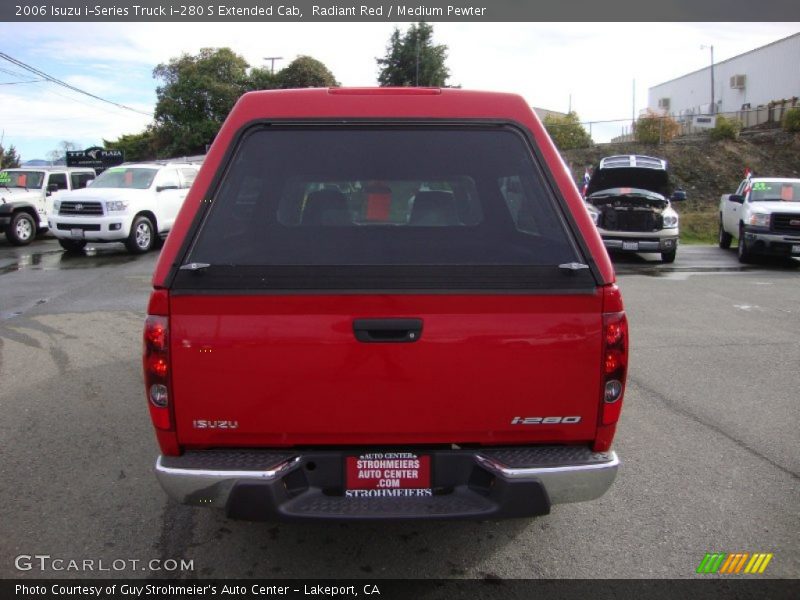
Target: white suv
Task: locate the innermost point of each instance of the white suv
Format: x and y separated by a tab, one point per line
134	203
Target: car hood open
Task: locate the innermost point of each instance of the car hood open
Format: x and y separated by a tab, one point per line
653	180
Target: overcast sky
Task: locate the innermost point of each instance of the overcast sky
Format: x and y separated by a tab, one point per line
594	63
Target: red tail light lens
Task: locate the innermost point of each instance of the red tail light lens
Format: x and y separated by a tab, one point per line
614	366
156	370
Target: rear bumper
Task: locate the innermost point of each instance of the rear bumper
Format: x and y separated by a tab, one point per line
487	483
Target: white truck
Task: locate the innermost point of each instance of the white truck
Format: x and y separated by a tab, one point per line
27	195
764	216
134	203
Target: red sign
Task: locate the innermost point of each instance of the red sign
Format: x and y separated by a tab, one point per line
388	471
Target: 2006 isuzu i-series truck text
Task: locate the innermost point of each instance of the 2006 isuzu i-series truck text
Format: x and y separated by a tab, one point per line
384	304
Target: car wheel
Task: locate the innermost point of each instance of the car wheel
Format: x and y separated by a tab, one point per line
669	257
745	255
22	229
725	238
141	237
72	245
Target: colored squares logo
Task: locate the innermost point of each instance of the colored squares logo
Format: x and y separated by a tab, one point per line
735	563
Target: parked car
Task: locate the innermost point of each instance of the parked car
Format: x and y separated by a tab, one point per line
384	304
134	203
630	202
764	214
27	196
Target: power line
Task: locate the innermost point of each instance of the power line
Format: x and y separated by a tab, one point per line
52	79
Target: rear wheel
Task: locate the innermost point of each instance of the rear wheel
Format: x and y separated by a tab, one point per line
745	255
22	229
72	245
669	257
725	238
141	237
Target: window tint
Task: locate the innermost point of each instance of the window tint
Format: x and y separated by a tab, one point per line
168	178
59	179
79	180
389	196
188	177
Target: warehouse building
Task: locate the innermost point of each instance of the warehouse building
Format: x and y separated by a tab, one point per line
756	86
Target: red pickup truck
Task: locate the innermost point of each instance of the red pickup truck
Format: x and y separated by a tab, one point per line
384	303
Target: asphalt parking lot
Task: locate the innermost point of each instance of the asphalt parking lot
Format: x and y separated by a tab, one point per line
708	440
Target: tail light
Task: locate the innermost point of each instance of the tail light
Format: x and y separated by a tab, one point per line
614	367
157	374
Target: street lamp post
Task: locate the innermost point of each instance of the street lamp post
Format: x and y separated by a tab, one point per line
713	104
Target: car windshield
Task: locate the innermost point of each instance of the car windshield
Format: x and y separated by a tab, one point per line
775	191
126	177
21	179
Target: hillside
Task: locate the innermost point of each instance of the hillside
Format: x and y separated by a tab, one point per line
706	169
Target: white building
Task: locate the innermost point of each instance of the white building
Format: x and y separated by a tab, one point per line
747	81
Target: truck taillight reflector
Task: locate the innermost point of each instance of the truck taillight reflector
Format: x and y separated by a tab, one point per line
615	365
156	370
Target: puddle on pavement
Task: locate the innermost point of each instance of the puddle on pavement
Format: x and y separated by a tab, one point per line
57	260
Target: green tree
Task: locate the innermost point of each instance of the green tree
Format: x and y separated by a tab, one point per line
412	59
196	95
261	79
9	157
305	71
139	146
791	120
567	132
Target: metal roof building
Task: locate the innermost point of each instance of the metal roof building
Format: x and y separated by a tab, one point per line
756	78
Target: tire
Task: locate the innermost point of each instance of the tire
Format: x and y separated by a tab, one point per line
669	257
22	229
725	238
745	255
142	236
72	245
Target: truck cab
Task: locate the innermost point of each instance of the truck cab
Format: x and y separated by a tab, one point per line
27	195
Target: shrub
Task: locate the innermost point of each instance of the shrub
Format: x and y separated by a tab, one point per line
652	128
567	132
725	129
791	120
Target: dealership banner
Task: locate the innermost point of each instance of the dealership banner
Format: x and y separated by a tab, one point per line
386	10
489	588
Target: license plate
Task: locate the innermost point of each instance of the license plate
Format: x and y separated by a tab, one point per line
630	245
796	249
76	233
388	474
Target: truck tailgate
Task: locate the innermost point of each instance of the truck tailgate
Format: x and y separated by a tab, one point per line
283	370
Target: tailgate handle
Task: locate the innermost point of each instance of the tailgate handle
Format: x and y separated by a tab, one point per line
387	330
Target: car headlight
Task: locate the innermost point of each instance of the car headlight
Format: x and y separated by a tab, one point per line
595	216
759	219
670	221
116	206
57	205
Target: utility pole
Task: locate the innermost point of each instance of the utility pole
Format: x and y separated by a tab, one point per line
633	110
272	60
569	110
713	103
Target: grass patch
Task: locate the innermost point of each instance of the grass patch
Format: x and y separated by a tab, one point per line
699	227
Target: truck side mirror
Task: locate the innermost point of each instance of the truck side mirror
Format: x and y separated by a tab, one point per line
52	187
678	196
736	198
